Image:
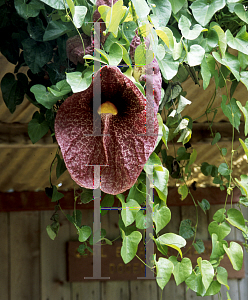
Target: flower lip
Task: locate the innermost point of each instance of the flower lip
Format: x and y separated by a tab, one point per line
107	108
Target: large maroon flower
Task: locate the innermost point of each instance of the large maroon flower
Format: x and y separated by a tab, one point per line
124	147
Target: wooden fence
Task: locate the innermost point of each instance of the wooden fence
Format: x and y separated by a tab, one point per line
33	267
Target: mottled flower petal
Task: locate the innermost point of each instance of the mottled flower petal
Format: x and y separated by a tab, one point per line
124	146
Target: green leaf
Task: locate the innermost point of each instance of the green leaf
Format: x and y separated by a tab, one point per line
78	17
13	90
222	276
194	282
142	56
152	161
244	78
172	240
42	96
53	193
143	221
235	254
112	16
52	231
217	247
168	66
36	54
161	12
130	246
55	29
219	215
57	4
177	5
231	111
36	29
236	219
160	181
208	169
224	169
245	146
207	272
27	9
203	10
84	233
161	217
213	289
224	151
141	8
164	268
61	89
240	11
37	127
186	230
183	191
244	184
244	110
115	54
61	167
204	205
222	39
230	61
129	211
107	202
79	81
216	138
221	230
182	270
86	195
240	42
195	55
199	246
190	32
207	69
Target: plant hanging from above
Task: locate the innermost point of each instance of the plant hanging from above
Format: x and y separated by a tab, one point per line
137	53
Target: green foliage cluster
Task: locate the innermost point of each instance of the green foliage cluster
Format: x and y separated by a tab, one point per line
188	38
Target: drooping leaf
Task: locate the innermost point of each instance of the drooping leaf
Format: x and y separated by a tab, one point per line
129	211
207	272
43	96
161	217
240	42
183	191
141	8
194	282
230	61
195	55
55	29
207	69
142	56
235	254
168	66
216	138
80	13
177	5
115	54
79	81
13	90
160	181
235	218
213	289
221	230
222	276
37	127
240	11
36	54
161	12
182	270
186	230
231	111
204	205
130	246
222	38
203	10
164	269
190	32
224	169
27	9
84	233
245	146
199	246
244	110
107	202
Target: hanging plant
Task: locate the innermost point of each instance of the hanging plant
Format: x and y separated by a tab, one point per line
144	52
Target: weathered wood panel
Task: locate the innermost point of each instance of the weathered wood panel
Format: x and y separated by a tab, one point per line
4	256
53	260
24	256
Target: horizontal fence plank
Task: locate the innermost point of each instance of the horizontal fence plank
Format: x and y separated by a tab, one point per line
30	201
